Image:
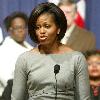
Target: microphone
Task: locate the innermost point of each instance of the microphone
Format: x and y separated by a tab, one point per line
56	70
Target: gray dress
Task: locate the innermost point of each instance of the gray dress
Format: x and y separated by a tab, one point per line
35	73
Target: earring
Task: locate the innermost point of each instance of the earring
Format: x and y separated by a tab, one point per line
57	32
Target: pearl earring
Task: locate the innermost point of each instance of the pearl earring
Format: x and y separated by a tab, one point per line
57	32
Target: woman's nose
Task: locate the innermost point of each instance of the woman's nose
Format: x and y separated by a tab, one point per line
42	30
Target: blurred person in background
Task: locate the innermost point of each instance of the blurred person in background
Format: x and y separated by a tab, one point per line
75	37
93	59
13	45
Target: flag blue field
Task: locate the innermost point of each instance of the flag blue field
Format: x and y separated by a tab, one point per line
93	19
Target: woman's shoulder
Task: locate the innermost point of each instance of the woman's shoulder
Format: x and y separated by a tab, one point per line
29	53
68	50
75	55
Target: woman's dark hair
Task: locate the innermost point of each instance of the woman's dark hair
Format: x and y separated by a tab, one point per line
50	8
8	20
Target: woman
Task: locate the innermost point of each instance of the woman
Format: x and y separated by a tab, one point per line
93	59
51	71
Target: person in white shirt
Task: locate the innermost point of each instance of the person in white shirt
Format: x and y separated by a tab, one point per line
13	46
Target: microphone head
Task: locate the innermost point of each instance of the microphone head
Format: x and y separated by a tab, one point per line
56	68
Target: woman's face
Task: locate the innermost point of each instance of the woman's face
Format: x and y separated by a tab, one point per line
94	66
46	29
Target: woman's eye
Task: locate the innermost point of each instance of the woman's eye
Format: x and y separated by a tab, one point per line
47	26
37	27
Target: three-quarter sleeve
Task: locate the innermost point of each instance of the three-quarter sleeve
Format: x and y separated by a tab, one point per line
82	79
19	88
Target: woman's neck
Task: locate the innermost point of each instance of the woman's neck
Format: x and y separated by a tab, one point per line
50	49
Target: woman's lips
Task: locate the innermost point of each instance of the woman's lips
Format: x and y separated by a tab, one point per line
42	38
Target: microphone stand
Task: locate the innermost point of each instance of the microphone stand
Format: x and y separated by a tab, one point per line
56	88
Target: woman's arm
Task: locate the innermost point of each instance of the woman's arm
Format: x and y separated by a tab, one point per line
19	89
82	79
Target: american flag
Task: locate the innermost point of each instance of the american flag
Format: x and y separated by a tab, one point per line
81	12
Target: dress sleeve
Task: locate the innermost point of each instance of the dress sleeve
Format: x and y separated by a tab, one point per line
19	88
82	79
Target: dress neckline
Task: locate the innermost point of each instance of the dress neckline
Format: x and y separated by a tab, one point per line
53	54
